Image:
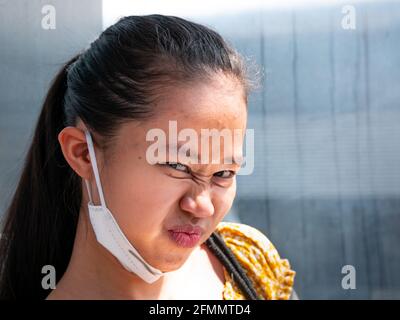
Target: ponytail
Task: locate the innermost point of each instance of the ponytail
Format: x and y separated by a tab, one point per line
40	223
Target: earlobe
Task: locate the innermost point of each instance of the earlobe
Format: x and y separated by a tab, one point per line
74	148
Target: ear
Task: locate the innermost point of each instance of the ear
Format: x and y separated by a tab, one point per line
75	150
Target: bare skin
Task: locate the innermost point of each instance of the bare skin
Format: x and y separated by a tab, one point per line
148	199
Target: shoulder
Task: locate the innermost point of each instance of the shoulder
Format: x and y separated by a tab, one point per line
271	275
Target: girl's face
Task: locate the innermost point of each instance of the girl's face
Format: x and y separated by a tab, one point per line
148	199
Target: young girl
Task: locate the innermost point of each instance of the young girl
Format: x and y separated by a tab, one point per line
111	223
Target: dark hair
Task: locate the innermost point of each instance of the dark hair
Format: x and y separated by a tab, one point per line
238	274
117	79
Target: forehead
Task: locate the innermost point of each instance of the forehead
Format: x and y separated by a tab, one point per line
218	104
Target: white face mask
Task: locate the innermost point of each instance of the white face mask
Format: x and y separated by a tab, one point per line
109	234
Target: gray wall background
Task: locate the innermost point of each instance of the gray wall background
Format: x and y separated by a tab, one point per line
326	184
30	56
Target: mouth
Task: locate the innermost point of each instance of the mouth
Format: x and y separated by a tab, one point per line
186	236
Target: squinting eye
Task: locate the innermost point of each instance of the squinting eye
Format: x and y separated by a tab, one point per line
230	174
178	166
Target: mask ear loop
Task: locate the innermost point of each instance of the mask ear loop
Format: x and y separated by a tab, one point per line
95	170
88	188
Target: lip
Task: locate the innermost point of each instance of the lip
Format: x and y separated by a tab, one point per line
186	236
188	228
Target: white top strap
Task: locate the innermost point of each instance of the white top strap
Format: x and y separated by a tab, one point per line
88	188
95	170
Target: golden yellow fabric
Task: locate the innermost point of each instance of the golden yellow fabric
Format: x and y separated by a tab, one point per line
272	276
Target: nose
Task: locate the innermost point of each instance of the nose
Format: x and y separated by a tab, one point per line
199	205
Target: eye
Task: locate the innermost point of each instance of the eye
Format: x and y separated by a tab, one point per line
225	174
178	166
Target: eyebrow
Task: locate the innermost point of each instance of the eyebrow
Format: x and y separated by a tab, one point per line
232	160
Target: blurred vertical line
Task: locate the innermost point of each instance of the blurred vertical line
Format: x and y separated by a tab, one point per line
263	126
296	122
361	212
371	150
332	101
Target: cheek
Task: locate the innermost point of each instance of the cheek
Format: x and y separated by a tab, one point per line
225	198
141	197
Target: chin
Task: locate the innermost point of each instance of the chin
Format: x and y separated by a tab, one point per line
174	261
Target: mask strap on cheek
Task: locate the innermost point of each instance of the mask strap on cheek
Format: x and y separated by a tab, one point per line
95	170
